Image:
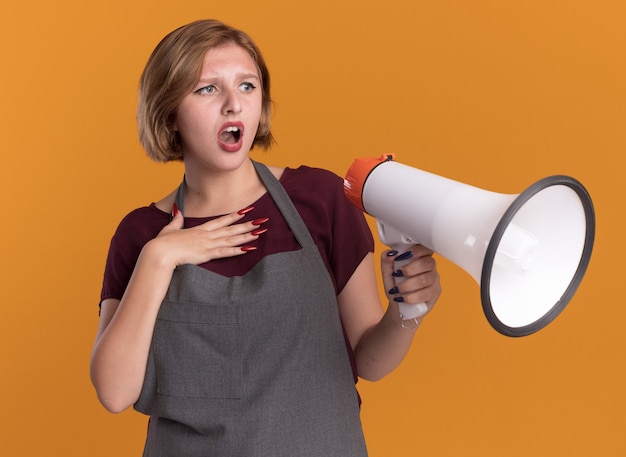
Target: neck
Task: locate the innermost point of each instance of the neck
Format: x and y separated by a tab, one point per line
223	192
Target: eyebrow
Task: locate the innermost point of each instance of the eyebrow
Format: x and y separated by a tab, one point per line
238	76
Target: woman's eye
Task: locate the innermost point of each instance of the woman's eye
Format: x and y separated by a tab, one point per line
206	89
247	87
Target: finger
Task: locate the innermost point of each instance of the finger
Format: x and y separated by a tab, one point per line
235	234
230	240
420	250
419	264
176	223
387	263
231	246
230	219
406	269
177	218
422	288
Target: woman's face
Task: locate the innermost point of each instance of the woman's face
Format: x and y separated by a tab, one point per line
218	120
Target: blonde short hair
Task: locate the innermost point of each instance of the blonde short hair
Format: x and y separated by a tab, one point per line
171	73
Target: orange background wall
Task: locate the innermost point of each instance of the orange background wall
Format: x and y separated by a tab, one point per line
497	94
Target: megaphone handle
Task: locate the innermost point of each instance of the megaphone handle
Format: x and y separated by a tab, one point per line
409	311
397	241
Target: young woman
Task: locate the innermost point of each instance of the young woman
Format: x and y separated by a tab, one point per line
238	311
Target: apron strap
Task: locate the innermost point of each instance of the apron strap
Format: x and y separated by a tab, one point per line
285	205
180	196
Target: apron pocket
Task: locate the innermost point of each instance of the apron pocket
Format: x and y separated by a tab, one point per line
197	350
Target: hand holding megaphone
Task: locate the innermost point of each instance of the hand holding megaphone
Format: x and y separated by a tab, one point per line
402	245
529	252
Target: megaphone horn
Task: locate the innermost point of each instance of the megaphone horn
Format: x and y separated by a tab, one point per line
529	252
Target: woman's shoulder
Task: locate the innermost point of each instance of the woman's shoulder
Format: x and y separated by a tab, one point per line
317	188
142	223
311	178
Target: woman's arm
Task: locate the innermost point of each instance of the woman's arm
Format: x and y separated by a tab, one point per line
379	340
120	352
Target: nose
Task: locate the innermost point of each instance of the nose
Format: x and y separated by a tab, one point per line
232	103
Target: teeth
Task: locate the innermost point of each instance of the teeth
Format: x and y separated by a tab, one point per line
232	128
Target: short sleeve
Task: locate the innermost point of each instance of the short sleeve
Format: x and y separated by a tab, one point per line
352	238
133	232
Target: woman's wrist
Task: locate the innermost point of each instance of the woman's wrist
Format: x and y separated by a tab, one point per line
157	255
402	320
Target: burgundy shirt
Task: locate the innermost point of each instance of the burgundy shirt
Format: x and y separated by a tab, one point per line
338	228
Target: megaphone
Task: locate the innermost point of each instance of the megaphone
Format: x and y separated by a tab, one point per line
528	252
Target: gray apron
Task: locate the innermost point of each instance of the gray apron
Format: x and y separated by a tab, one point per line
253	365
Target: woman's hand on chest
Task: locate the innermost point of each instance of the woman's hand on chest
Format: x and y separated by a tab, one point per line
218	238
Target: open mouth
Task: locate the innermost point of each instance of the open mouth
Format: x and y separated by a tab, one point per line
230	135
